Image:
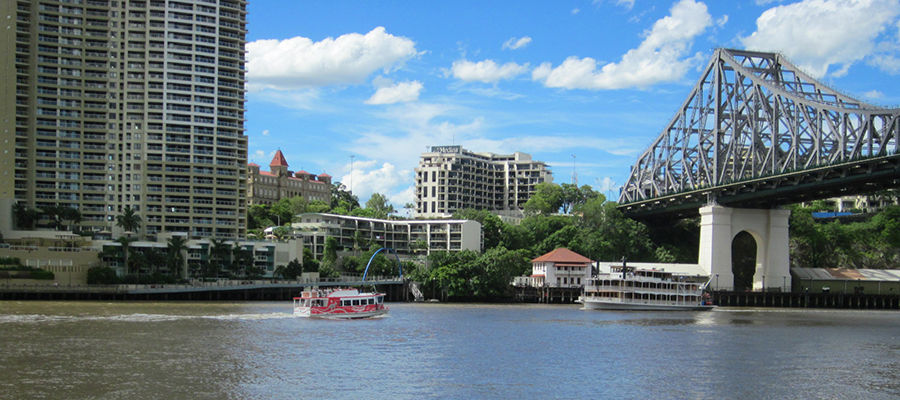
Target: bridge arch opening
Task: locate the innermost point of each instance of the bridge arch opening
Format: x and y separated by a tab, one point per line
744	253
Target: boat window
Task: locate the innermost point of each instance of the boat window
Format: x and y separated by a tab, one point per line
379	300
345	302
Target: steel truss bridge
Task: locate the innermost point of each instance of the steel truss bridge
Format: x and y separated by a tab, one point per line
757	132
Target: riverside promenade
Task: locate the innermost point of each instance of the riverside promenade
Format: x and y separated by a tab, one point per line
229	290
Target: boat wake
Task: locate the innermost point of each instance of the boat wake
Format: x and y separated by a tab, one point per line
37	318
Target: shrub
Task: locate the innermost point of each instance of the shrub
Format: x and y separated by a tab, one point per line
102	276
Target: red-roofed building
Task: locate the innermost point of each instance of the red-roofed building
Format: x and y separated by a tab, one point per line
267	187
560	268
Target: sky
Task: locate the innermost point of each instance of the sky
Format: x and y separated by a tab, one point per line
585	86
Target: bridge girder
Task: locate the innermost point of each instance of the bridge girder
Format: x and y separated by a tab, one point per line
758	131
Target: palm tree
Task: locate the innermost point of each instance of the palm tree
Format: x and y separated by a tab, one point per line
154	259
128	220
175	257
71	214
26	216
218	253
126	241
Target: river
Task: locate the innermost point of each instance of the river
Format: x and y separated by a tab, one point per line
144	350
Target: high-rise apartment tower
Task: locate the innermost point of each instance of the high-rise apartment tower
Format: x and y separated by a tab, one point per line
112	103
451	178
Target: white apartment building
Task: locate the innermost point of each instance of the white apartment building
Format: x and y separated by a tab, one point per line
400	235
450	178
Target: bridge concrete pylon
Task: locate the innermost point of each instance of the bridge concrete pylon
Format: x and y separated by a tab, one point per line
718	228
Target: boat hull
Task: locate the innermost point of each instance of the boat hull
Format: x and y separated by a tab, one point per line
305	312
609	305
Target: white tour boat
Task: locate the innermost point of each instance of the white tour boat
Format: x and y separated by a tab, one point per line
627	288
341	303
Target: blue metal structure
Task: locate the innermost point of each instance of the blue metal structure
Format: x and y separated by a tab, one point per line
399	265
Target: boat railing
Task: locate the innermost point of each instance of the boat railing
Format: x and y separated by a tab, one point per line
681	300
678	289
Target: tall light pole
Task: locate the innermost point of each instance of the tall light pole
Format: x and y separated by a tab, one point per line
574	174
351	173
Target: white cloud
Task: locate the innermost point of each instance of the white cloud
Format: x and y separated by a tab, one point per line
400	93
514	43
659	58
301	63
818	34
887	63
307	99
722	21
369	178
486	71
575	11
265	132
873	94
628	4
607	187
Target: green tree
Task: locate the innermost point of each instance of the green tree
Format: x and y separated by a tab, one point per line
219	253
126	242
318	206
282	233
342	198
258	217
299	205
241	260
176	260
57	214
547	199
499	266
572	196
379	207
129	220
282	212
101	276
26	217
329	256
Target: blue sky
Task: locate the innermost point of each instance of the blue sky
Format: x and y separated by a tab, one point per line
582	85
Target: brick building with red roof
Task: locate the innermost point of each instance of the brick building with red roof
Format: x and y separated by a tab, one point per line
267	187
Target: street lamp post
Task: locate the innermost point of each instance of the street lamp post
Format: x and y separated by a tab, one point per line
351	173
763	283
784	284
717	281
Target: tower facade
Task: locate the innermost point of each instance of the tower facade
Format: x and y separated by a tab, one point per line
111	104
450	178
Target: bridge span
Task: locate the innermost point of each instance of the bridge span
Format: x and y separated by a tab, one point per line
758	132
754	134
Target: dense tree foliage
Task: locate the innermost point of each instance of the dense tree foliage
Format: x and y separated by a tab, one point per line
845	242
285	211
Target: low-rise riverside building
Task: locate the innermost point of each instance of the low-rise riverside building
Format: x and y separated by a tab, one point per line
406	237
560	268
266	256
70	256
267	187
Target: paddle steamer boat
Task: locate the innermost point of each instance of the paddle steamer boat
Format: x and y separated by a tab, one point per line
628	288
